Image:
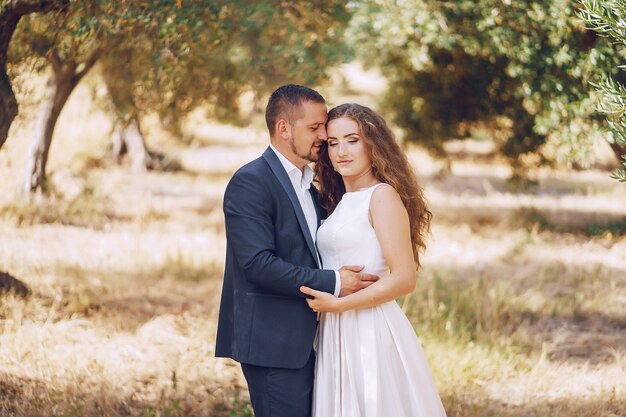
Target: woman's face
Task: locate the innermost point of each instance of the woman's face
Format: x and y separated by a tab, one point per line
347	149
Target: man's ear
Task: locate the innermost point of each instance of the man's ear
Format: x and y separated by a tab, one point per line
282	127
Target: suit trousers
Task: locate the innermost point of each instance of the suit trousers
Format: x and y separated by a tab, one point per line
281	392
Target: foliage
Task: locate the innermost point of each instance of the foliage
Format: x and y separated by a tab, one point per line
210	54
73	33
607	19
519	68
170	56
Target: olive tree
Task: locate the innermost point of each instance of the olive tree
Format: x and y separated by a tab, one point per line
11	12
518	68
608	19
168	57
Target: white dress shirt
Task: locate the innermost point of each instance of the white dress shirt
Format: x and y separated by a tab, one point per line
301	182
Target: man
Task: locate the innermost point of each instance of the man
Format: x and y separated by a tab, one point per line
272	215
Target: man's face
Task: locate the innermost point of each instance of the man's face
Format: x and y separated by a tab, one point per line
308	131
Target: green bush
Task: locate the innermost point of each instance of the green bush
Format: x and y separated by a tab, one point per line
519	68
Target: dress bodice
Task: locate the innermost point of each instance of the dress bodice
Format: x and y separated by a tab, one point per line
348	238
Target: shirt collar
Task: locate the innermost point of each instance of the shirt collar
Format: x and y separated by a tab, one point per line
305	178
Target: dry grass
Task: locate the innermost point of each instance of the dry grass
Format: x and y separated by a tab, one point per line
520	306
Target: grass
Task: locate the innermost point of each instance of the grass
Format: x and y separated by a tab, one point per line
124	325
179	266
520	306
531	218
82	211
497	347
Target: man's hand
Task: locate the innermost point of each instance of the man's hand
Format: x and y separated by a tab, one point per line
353	280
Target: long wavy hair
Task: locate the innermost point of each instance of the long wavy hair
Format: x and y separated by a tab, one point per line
389	165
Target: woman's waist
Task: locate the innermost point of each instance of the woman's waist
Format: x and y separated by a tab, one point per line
370	266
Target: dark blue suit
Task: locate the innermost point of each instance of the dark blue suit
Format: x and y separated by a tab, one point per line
265	322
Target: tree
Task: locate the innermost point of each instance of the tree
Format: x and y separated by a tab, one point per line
239	46
608	19
519	68
11	11
71	40
170	56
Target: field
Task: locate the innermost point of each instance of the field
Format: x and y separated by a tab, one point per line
521	305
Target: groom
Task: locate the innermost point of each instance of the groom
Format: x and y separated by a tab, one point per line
272	216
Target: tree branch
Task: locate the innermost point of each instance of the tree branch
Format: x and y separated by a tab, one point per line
10	14
55	61
23	7
95	55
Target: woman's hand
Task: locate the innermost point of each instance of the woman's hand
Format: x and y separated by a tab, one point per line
323	301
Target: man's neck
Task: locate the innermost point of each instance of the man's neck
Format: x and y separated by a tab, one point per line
288	155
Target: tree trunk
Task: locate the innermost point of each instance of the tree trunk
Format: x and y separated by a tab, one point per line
59	87
8	106
10	16
619	151
64	79
10	284
128	139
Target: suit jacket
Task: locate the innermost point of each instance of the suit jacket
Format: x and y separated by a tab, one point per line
264	319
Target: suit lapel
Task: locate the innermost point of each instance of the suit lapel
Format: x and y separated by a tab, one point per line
316	203
280	173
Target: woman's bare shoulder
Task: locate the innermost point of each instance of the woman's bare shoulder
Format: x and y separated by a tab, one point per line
385	198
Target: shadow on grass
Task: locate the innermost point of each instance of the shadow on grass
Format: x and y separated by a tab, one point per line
483	183
125	300
540	205
32	398
478	404
35	398
541	315
575	315
561	220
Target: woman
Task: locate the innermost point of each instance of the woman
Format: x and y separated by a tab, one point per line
369	361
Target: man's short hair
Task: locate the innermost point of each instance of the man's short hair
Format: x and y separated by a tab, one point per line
286	101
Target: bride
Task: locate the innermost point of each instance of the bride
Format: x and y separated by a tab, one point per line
369	360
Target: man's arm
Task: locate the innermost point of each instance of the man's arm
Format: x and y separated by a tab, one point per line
248	211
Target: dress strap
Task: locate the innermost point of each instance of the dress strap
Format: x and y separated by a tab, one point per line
367	198
375	186
370	190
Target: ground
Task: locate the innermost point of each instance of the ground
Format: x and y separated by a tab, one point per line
520	306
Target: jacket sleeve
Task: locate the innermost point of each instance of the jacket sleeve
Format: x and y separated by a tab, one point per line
249	215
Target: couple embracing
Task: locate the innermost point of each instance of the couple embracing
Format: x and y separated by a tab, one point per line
285	270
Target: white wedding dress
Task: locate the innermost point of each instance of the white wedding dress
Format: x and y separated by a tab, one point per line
369	361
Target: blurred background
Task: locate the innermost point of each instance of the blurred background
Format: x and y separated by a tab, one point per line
122	121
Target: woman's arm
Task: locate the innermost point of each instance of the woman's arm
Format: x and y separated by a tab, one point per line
391	224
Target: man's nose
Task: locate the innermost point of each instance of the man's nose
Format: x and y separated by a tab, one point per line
322	134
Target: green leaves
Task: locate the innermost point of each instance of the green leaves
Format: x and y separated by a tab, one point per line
608	18
170	56
605	17
521	68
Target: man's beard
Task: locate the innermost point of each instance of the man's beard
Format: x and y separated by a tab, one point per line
308	157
